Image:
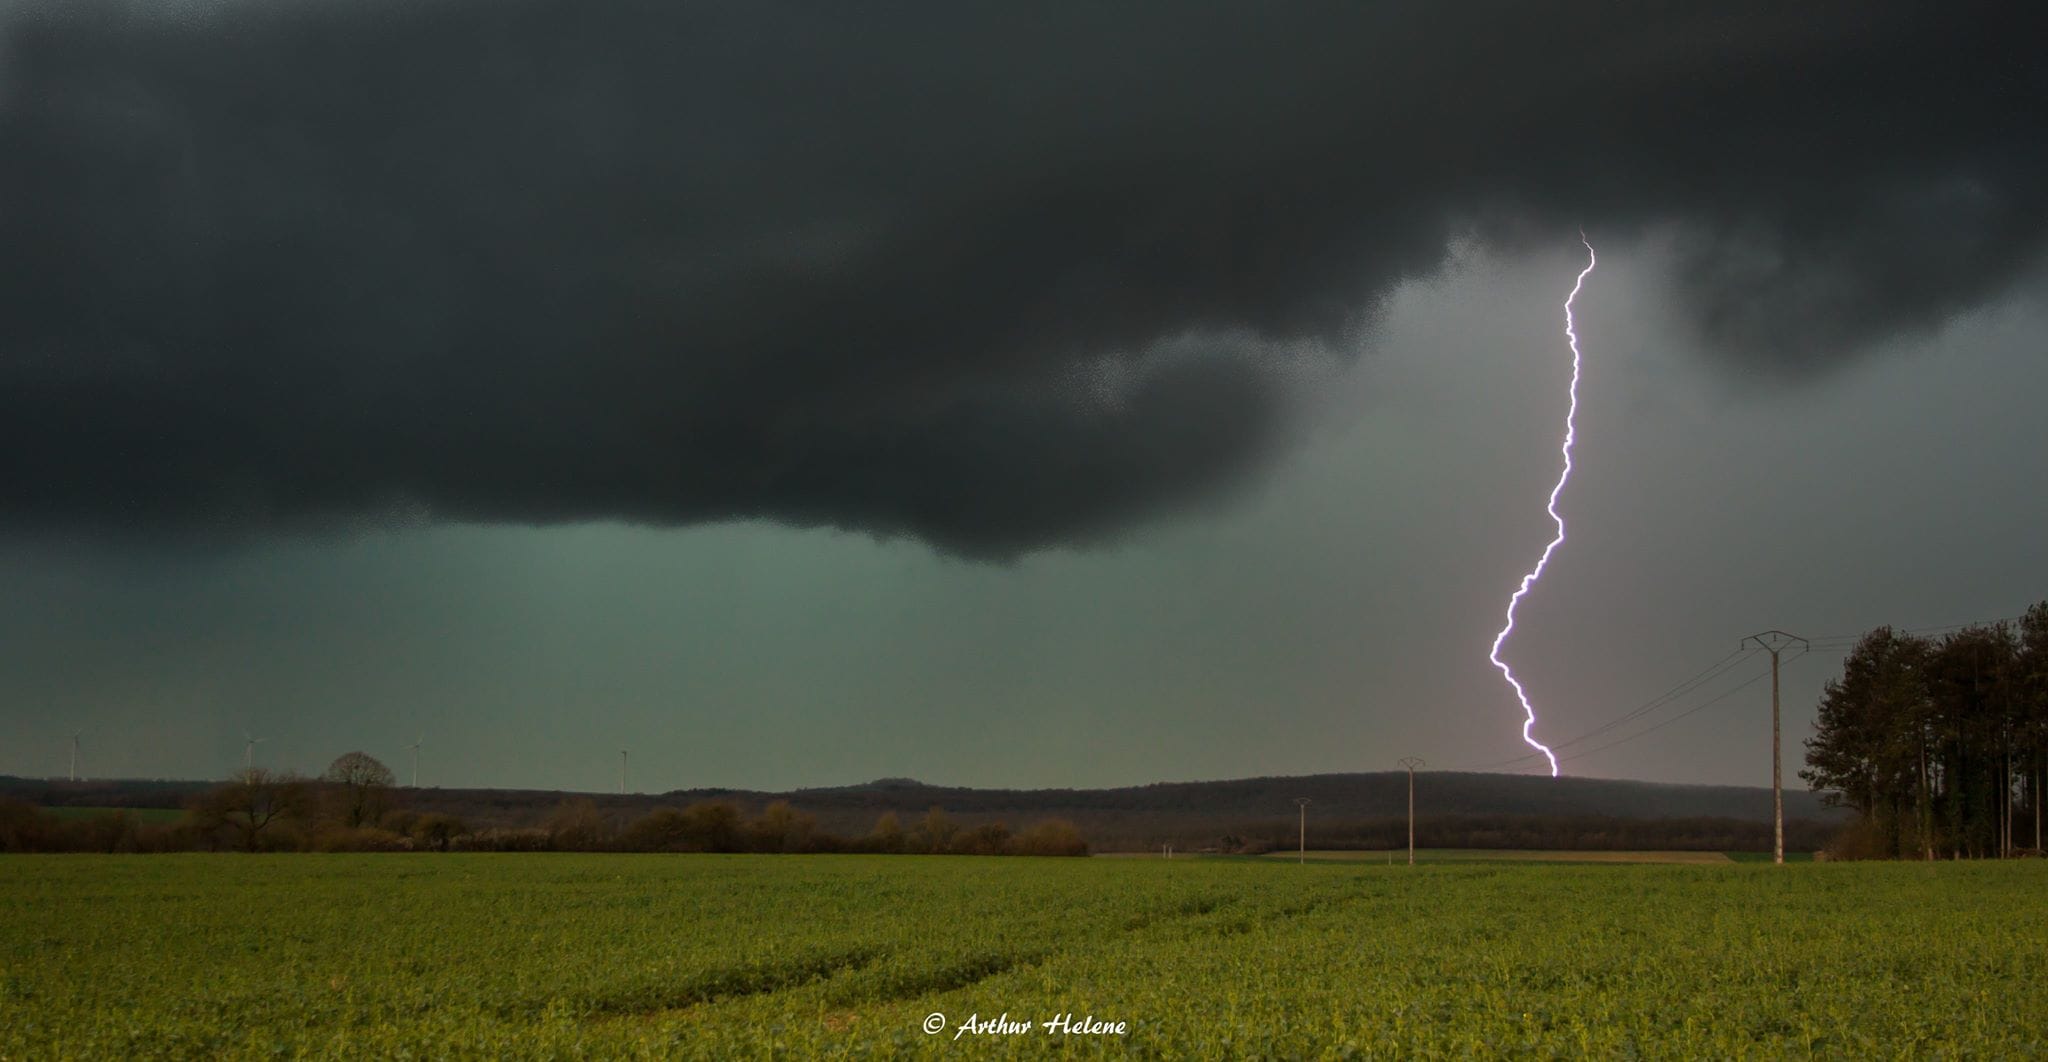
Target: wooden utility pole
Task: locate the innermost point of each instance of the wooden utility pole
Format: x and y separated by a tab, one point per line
1926	804
1304	803
1772	642
1411	762
2005	815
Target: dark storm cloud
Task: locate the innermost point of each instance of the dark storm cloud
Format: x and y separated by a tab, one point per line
994	277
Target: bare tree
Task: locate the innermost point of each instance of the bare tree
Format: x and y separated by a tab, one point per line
436	830
1052	837
888	834
660	830
781	828
989	838
577	825
363	781
712	826
935	833
251	803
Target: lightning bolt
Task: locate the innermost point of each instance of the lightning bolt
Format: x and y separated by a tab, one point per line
1570	435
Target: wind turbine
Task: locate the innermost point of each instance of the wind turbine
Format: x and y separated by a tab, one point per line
622	771
74	754
415	747
249	751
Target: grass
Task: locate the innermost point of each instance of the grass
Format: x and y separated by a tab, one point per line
555	955
1500	855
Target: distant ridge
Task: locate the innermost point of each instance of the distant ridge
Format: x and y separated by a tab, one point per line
1342	795
1515	808
890	783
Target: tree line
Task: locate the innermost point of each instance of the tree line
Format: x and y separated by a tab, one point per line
354	807
1939	744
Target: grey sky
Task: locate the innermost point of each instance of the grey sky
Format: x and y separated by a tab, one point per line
1024	396
1331	618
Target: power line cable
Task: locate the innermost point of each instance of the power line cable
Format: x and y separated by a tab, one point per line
1723	665
1732	691
1825	643
1690	685
1758	678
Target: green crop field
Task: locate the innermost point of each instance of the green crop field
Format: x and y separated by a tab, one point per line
604	956
1504	855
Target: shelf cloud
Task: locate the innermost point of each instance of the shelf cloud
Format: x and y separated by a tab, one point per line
996	278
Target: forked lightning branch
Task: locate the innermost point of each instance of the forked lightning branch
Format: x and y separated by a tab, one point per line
1529	581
